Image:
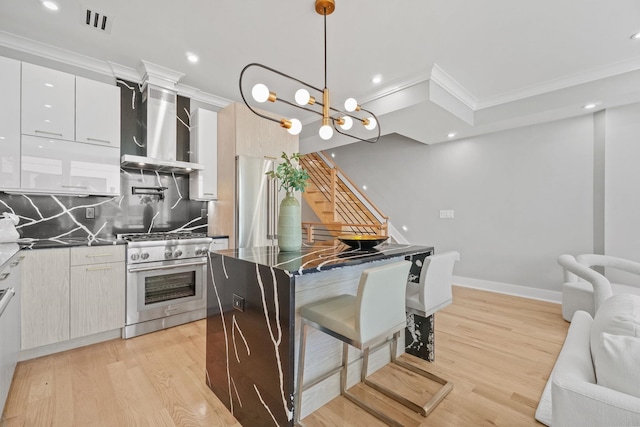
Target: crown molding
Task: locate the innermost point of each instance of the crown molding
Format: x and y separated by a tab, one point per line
198	95
563	83
161	75
126	73
397	87
455	89
43	50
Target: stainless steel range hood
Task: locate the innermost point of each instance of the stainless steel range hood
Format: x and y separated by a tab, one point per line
160	118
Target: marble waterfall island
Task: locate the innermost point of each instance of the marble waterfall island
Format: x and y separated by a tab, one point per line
252	335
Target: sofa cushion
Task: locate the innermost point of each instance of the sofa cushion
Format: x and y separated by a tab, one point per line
615	344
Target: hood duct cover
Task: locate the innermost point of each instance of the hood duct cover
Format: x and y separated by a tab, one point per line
161	134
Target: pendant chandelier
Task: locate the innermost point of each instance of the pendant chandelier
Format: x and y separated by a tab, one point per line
332	118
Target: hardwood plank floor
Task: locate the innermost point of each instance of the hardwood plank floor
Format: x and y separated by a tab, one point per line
498	350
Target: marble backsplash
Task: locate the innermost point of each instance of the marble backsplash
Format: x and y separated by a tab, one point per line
99	217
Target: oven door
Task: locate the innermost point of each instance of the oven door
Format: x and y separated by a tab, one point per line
160	289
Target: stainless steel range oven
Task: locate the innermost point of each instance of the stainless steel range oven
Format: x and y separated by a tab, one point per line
166	281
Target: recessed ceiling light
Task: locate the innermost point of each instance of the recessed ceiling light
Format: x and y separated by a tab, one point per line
451	134
192	57
364	187
48	85
333	155
405	228
590	106
377	79
635	36
50	5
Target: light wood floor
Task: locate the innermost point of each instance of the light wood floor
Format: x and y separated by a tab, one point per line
498	350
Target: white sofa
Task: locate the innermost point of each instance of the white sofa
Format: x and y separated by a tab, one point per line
596	378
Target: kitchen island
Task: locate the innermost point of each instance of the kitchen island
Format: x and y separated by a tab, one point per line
252	336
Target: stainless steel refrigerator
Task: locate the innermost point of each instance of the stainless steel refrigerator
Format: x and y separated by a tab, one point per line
258	200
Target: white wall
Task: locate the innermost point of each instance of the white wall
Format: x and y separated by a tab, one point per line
521	197
622	186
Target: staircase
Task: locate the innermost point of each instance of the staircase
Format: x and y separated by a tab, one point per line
337	202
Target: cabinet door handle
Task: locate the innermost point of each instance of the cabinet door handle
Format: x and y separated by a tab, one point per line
74	186
107	267
99	140
14	264
48	133
4	276
98	255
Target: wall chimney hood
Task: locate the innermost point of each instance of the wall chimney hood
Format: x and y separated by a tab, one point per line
159	100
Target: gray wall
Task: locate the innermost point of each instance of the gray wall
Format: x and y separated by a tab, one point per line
622	186
521	197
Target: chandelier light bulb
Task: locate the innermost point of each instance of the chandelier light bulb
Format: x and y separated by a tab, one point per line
348	122
302	96
295	128
372	124
350	105
326	132
260	92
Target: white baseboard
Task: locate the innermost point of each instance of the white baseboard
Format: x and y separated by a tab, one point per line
48	349
509	289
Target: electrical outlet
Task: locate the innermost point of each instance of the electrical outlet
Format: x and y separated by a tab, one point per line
238	302
90	213
203	213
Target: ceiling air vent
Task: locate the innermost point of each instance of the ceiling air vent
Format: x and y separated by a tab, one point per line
96	19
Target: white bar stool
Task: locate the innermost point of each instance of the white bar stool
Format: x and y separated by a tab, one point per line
376	313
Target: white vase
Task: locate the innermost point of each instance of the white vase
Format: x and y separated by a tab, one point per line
289	224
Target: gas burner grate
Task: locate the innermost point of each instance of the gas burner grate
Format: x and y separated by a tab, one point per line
177	235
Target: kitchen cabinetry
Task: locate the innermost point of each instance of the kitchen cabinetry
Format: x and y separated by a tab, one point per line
242	133
71	293
45	297
219	244
9	123
64	119
203	184
48	102
97	113
97	290
9	326
57	166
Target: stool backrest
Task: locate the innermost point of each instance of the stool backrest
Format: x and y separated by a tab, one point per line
435	279
381	300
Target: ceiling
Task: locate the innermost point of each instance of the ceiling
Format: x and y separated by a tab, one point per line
467	67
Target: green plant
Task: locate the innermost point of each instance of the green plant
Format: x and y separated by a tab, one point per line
292	177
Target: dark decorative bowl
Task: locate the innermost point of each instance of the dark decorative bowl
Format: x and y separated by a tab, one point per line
362	241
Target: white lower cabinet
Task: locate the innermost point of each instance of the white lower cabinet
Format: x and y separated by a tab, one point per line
72	293
45	297
56	166
97	290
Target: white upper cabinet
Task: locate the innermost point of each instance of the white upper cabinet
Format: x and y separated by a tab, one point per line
48	101
9	123
65	167
203	184
97	113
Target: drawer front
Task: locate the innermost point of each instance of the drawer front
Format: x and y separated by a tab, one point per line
85	255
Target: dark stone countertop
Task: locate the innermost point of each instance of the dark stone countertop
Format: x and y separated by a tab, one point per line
67	242
312	259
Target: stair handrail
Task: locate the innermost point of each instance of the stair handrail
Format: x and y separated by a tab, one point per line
354	188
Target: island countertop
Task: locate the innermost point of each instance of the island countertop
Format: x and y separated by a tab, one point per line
253	326
313	259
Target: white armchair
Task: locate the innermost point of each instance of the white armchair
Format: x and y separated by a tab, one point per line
586	289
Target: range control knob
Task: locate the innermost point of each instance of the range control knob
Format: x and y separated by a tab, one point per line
135	257
198	252
144	255
168	254
204	250
177	253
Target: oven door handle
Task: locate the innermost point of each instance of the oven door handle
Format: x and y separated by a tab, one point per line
165	267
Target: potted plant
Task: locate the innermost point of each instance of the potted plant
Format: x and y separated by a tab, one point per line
292	178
